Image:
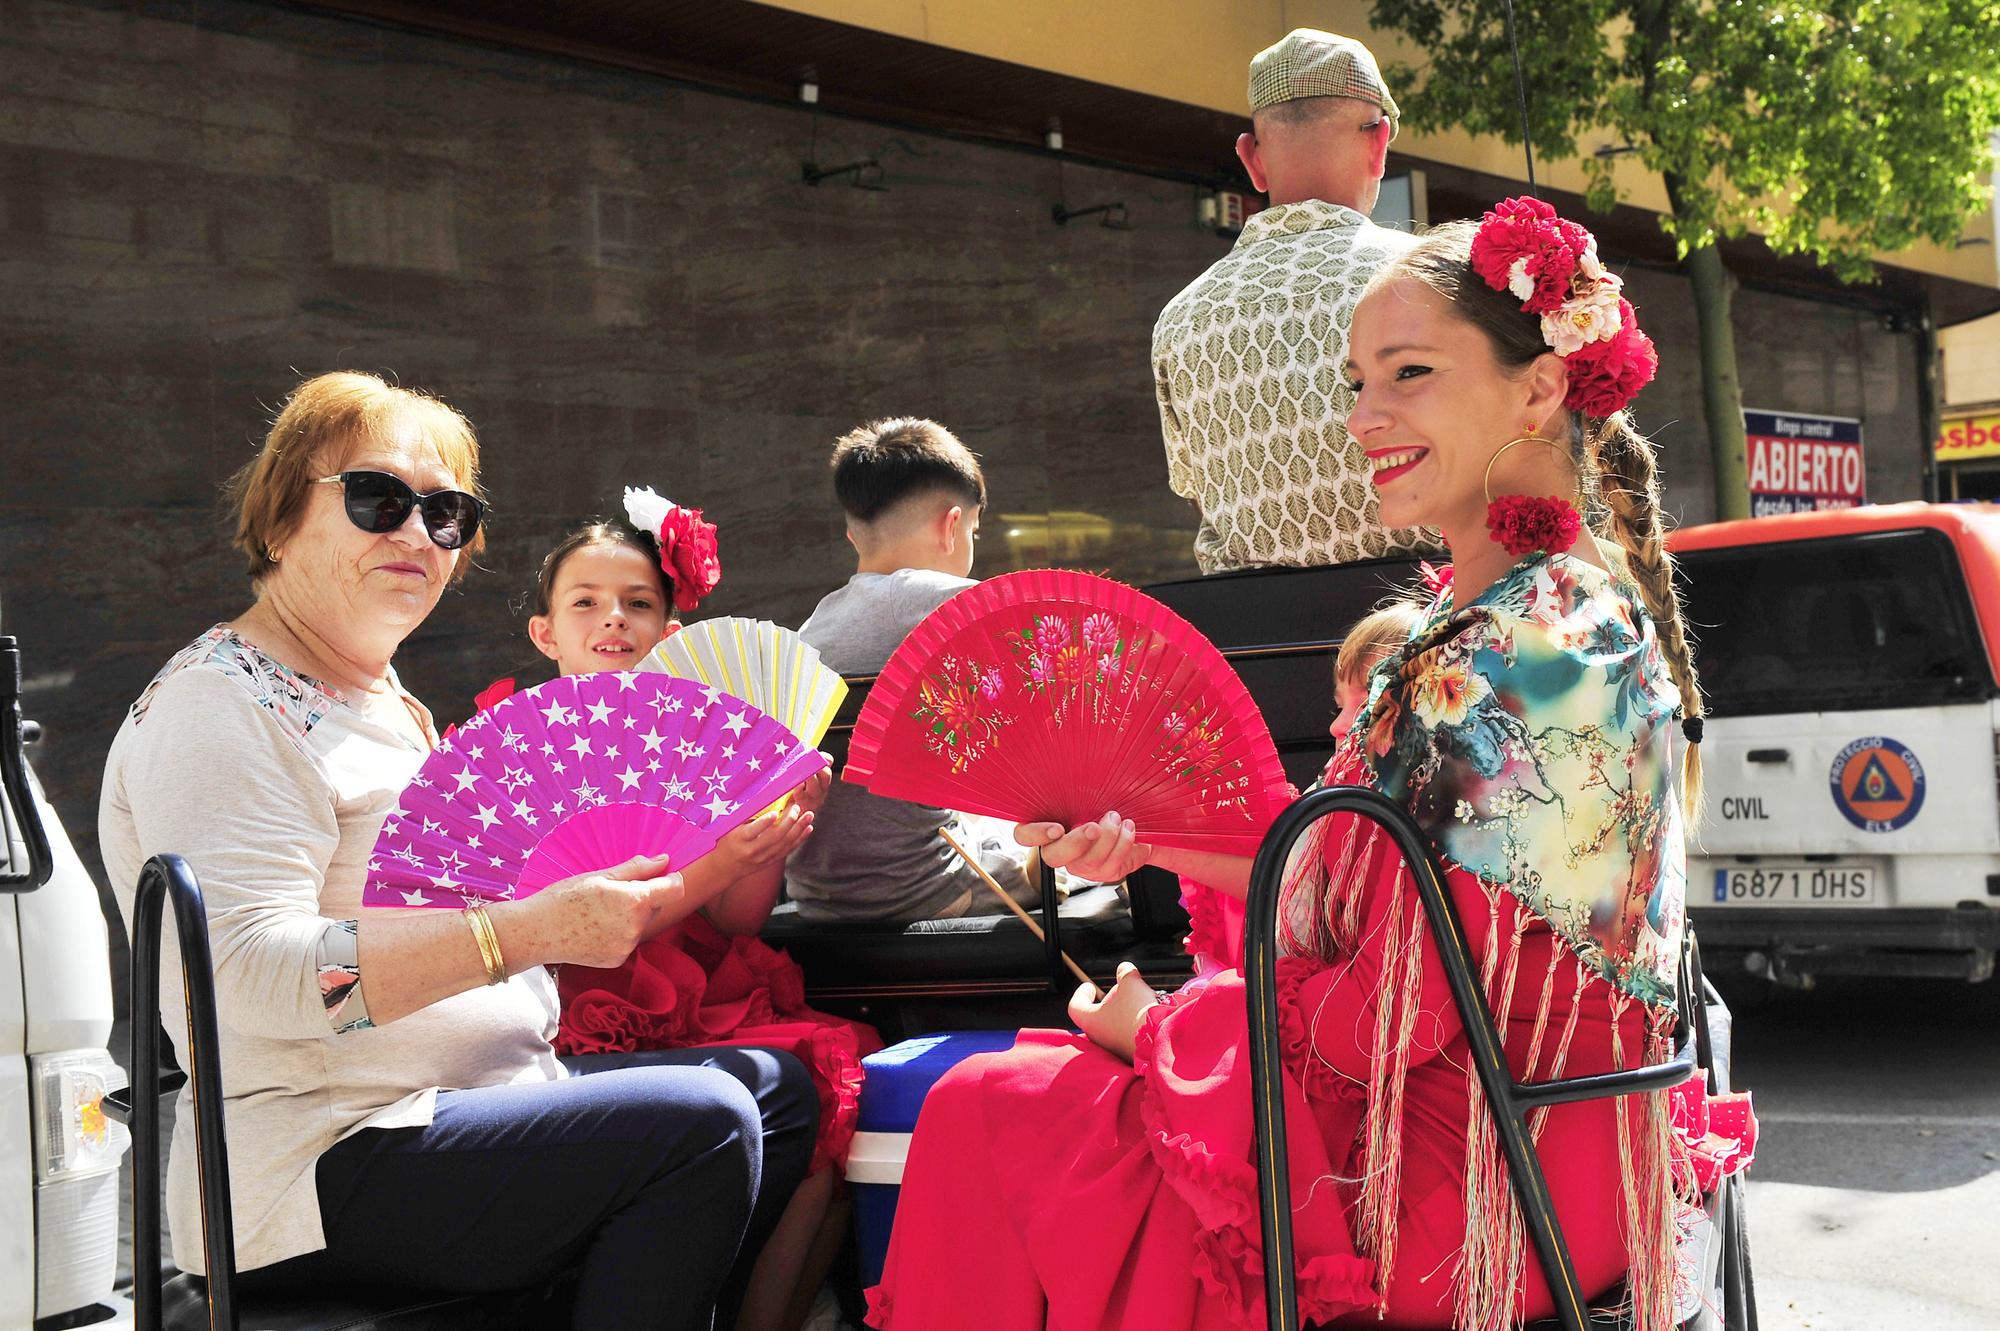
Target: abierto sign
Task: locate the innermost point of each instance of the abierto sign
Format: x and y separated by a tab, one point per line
1801	463
1967	437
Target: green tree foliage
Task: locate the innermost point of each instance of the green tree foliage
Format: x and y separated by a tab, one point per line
1839	132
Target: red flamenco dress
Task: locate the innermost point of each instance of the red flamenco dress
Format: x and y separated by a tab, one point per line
1055	1186
694	987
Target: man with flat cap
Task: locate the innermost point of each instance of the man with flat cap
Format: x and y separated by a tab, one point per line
1246	360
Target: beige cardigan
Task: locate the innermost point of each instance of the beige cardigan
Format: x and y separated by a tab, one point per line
274	789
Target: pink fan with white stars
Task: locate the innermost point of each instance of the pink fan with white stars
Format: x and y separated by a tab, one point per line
577	775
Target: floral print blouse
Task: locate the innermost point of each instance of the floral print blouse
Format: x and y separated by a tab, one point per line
1532	735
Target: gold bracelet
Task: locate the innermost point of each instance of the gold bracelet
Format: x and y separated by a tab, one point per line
489	944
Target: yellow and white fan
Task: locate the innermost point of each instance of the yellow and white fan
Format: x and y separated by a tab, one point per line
765	664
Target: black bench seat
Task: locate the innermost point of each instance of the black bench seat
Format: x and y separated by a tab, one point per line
995	953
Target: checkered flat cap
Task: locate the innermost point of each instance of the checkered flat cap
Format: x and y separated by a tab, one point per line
1309	63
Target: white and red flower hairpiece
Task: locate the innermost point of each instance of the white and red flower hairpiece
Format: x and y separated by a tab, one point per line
1551	266
687	544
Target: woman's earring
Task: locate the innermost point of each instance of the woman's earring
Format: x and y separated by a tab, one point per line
1525	524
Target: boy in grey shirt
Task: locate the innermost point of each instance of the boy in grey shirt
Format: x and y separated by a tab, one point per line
913	495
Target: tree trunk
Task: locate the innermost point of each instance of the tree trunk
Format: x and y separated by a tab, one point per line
1721	390
1714	289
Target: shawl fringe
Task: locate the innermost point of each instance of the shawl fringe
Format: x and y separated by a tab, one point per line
1489	1285
1389	1068
1487	1281
1646	1146
1490	1292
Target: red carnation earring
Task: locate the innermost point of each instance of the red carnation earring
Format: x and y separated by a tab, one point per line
1524	524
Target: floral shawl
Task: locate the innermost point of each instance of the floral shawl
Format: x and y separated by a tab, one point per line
1531	734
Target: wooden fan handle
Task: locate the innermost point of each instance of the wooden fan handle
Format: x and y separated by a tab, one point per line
1012	904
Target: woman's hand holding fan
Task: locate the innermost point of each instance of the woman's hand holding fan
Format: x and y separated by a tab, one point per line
593	919
1106	851
764	842
596	919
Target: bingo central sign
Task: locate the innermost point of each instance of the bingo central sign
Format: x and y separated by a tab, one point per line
1799	464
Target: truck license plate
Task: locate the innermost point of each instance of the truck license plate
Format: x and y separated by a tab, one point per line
1795	885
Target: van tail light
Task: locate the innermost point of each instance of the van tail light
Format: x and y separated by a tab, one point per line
73	1135
77	1150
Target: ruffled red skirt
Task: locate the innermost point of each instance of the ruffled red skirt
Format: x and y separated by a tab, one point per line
1055	1186
694	986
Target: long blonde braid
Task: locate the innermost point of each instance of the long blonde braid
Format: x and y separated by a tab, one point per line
1629	484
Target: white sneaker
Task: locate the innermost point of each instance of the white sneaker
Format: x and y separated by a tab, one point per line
825	1314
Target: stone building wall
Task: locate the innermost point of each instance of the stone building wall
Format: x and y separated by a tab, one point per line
1792	355
620	281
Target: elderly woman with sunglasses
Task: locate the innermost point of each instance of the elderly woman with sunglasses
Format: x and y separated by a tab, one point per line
395	1112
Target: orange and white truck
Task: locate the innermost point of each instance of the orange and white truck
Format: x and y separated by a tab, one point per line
1851	664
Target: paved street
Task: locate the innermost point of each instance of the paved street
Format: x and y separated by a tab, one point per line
1875	1199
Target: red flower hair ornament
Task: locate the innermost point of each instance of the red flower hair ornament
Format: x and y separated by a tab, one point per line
1606	374
688	553
1550	265
1523	247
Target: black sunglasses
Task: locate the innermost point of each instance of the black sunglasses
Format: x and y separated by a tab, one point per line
378	502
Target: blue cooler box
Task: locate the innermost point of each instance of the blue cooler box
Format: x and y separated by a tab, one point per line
893	1088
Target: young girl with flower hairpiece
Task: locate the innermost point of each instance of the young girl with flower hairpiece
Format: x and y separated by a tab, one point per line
605	596
1538	724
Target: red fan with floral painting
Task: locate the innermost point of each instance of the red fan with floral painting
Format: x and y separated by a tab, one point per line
1048	695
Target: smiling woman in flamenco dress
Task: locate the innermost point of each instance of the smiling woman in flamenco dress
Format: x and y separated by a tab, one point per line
1539	725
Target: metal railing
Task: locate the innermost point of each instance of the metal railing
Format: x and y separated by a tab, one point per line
167	878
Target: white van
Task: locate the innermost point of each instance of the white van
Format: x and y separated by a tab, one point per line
1852	756
59	1152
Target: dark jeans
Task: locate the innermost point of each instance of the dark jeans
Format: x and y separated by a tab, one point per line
658	1177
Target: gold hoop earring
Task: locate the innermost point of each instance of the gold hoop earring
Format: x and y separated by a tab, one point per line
1486	482
1525	524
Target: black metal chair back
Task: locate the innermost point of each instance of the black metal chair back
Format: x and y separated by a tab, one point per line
1508	1101
167	878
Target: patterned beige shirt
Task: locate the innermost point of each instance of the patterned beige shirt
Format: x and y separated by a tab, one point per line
1253	404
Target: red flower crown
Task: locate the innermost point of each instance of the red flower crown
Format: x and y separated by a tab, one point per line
1551	265
688	554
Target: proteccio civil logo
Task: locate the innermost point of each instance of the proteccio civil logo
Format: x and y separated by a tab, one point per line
1877	783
